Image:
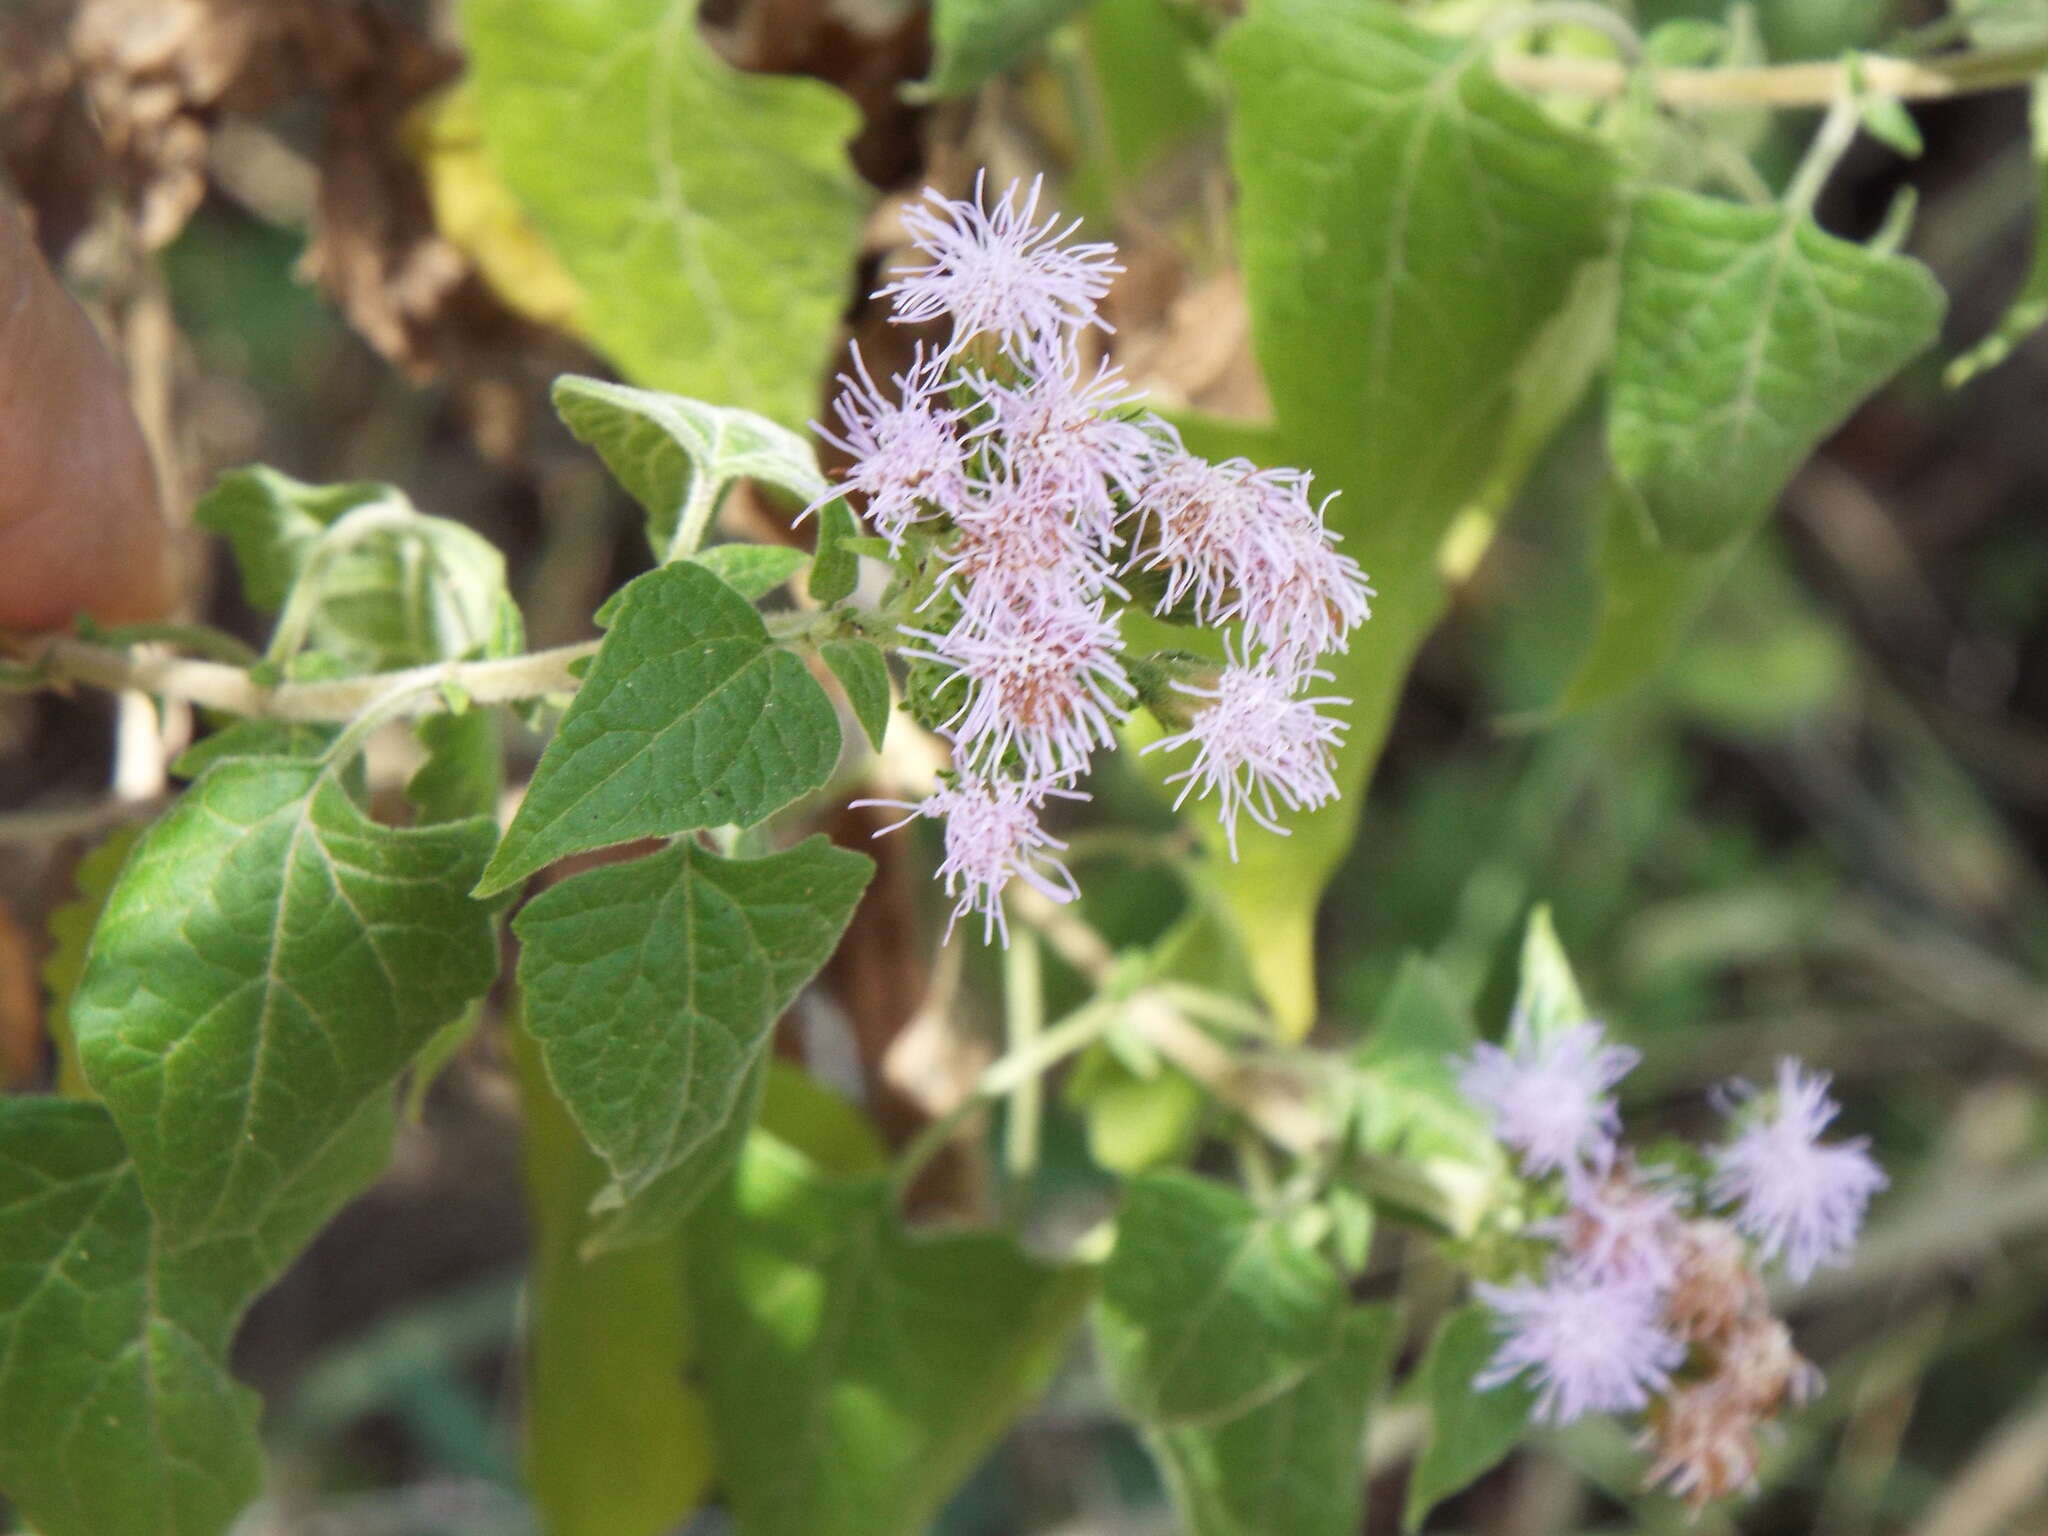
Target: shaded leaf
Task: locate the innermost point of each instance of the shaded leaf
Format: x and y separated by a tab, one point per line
1469	1431
464	773
1293	1466
1397	195
1746	336
688	717
617	1442
974	39
710	216
663	448
863	672
71	927
651	988
264	970
117	1415
1208	1308
856	1372
386	586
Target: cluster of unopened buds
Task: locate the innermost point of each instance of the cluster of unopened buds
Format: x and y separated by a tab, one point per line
1021	489
1652	1298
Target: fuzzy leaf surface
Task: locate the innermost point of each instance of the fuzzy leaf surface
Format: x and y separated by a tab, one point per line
264	970
688	717
857	1372
651	988
1746	336
709	215
1293	1466
1208	1309
660	446
392	586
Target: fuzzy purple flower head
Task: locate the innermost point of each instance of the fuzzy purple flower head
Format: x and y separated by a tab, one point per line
1591	1345
1551	1097
1023	489
1802	1199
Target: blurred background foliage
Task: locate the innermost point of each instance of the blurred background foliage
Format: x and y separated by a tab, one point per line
1820	829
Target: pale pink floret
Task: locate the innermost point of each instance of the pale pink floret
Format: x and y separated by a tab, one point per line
1063	436
906	448
1046	682
1801	1200
1620	1224
1550	1098
993	836
1591	1346
1019	549
1258	746
1246	543
997	270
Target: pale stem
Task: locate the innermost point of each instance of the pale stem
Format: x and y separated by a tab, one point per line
695	519
1024	1022
1814	84
1837	133
214	685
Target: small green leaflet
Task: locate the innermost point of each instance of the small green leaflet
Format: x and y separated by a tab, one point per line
117	1415
2030	306
664	449
652	987
855	1372
835	571
688	717
752	570
863	672
385	585
974	39
1746	336
265	968
465	768
1547	997
1292	1466
1208	1308
713	263
1469	1431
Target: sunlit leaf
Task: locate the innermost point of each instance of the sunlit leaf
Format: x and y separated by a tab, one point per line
710	216
855	1371
1395	195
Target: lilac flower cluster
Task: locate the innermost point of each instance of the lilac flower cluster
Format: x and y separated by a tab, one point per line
1651	1300
1021	488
